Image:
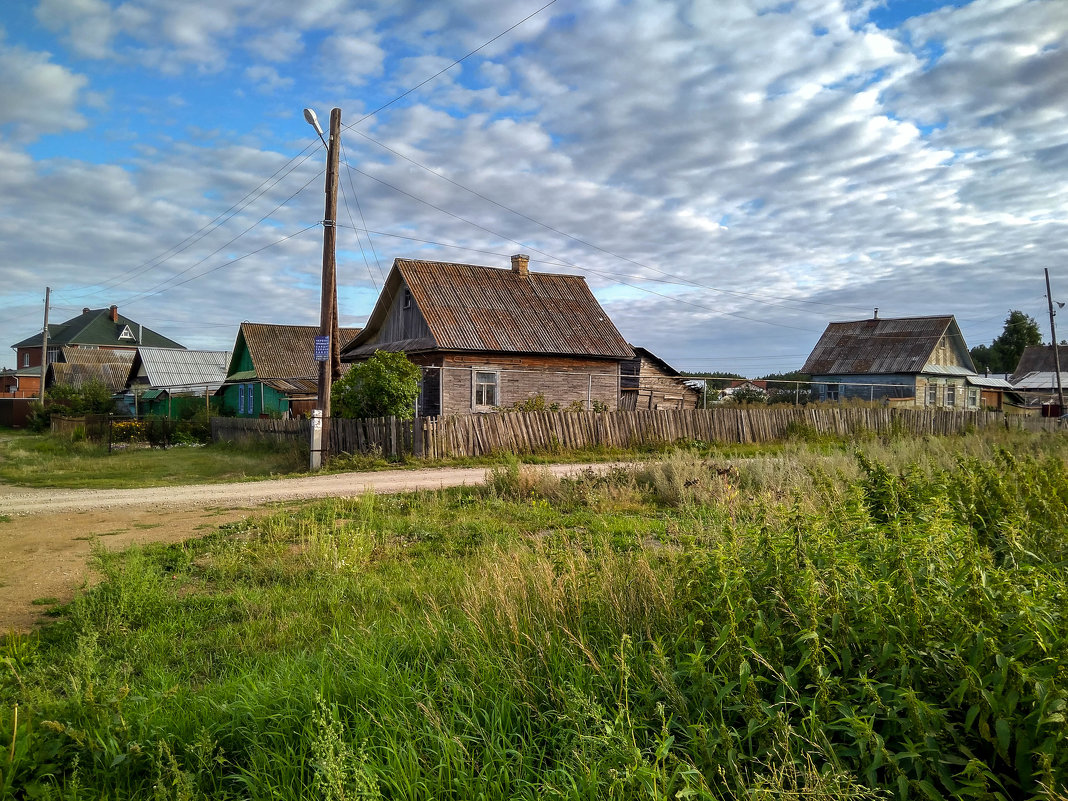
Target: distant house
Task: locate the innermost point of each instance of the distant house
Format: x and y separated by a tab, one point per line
94	330
487	337
21	383
648	382
745	387
272	370
1035	377
170	382
912	361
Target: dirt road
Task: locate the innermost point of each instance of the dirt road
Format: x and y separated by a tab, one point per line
48	534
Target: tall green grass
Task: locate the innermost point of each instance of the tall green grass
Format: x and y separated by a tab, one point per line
890	623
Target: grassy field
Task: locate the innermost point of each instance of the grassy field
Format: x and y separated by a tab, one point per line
44	460
822	625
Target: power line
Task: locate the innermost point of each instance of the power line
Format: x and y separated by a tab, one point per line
348	211
152	290
248	199
460	60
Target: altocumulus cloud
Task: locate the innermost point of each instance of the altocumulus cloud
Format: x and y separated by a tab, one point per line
729	176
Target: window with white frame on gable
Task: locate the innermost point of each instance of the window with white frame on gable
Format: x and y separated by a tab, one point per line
485	388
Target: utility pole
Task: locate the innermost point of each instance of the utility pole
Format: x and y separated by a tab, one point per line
44	344
328	327
1056	347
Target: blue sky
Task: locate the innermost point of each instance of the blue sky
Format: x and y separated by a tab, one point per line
728	176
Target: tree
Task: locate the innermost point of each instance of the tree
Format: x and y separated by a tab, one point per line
386	385
1020	332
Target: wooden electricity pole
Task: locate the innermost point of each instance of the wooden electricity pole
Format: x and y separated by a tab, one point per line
328	326
44	344
1056	347
330	367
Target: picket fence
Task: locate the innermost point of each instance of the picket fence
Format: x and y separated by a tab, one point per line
532	432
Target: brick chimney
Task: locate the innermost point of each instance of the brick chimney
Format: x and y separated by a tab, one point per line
114	314
519	263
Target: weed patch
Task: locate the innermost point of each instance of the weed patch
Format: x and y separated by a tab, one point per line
819	624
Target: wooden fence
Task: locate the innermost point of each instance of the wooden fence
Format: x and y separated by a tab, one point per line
90	426
530	432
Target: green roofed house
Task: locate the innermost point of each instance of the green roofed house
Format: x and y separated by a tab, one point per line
273	371
94	330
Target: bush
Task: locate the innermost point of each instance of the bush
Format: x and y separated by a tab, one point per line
386	385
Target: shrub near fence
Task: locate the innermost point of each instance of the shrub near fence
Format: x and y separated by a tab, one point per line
532	432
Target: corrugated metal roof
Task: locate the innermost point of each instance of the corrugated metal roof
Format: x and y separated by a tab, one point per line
470	307
286	351
988	381
1040	381
177	370
879	345
947	369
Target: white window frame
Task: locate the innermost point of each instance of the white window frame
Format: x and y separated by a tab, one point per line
951	395
834	392
476	384
25	359
932	393
127	334
974	397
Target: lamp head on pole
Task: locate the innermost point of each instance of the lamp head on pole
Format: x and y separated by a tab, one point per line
313	121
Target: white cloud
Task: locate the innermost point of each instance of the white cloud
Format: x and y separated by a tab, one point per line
770	150
37	96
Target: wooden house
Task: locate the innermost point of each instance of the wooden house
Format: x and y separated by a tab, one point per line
910	361
94	330
487	337
272	370
648	382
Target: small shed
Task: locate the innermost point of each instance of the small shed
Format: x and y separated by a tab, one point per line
648	382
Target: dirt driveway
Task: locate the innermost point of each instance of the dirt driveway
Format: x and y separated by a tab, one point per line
45	545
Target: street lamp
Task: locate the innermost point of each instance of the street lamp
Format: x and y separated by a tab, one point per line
328	302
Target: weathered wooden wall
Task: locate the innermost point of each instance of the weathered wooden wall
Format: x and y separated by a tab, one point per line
560	380
531	432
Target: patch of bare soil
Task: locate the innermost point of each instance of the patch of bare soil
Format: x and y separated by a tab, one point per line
44	557
47	538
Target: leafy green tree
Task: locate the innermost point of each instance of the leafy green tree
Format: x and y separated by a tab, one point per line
386	385
1020	332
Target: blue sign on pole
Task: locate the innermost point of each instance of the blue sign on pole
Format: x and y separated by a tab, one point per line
322	349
